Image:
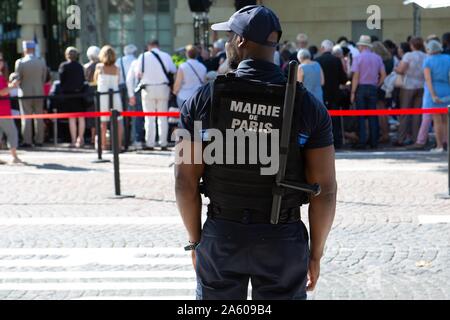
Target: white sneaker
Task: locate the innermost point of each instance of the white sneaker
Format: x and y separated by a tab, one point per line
137	146
437	150
2	162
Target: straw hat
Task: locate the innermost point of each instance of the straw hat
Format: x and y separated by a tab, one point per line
365	41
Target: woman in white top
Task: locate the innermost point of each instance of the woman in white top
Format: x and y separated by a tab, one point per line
191	76
107	77
411	93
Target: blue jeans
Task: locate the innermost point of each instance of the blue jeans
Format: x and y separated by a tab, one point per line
137	123
273	257
366	98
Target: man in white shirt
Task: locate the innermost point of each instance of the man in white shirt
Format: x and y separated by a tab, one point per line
155	96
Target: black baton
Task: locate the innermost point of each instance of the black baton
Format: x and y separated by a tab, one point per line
281	184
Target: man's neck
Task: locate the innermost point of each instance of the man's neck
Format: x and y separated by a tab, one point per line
255	56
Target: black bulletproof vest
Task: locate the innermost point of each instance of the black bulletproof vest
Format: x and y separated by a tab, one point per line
235	103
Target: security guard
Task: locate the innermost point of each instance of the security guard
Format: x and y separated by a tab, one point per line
239	242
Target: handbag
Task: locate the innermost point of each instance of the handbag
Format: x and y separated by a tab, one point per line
173	103
399	81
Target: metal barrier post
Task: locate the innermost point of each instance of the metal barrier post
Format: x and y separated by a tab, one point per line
98	130
446	196
55	128
115	147
448	147
126	121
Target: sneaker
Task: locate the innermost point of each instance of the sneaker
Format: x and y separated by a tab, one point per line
2	162
17	161
148	148
437	150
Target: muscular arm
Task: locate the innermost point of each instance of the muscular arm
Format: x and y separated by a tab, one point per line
187	178
320	168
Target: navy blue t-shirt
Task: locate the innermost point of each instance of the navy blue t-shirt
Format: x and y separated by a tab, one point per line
314	123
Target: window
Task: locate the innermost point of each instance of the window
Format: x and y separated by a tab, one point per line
55	31
138	22
121	23
158	22
9	31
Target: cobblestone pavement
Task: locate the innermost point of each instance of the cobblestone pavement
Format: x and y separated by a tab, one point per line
62	236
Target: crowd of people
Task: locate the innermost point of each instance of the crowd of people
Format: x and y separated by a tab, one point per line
368	74
371	74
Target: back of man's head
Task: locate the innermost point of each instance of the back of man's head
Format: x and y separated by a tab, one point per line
327	46
129	49
28	47
153	43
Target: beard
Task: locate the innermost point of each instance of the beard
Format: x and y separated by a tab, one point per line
233	55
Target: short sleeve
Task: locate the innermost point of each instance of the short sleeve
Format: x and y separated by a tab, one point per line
407	58
427	63
381	66
316	124
355	64
196	109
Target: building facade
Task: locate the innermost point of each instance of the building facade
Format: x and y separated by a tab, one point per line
120	22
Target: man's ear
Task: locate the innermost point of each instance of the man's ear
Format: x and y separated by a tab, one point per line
241	42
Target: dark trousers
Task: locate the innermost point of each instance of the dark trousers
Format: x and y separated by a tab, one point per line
137	123
273	257
366	98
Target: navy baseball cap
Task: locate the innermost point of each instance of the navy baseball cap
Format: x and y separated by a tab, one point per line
254	23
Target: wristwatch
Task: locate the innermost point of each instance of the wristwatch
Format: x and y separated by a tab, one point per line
192	246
